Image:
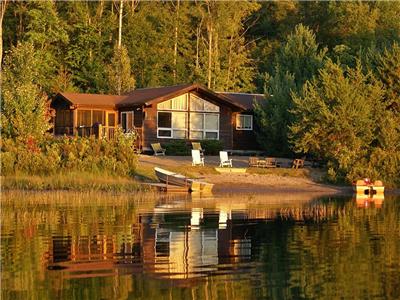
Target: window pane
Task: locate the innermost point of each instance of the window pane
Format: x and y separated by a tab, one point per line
98	117
179	103
123	121
179	134
211	135
164	105
196	103
111	119
84	118
247	122
196	121
165	133
210	106
164	119
196	135
211	121
178	120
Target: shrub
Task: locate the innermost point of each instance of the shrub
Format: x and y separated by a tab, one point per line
53	155
177	147
212	147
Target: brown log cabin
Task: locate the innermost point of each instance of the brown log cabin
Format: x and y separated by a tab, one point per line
190	112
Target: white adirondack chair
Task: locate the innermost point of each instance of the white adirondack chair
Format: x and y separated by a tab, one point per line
197	160
225	161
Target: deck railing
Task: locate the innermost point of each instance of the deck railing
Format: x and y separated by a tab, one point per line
86	131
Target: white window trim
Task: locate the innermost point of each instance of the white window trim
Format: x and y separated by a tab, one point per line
126	118
205	130
171	129
238	120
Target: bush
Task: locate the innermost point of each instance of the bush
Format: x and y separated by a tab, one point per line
116	156
212	147
177	147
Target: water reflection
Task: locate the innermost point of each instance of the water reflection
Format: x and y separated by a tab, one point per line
235	247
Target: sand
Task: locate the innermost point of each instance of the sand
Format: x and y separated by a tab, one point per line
248	183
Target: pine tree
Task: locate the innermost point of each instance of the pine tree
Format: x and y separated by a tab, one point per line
120	79
297	61
336	119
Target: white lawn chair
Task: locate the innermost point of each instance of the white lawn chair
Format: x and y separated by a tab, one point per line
197	160
225	161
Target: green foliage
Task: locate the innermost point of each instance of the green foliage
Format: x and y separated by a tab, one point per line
120	79
297	61
177	147
212	147
115	156
341	118
24	107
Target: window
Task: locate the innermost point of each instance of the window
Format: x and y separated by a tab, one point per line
111	119
85	118
198	104
244	122
204	126
127	121
98	117
177	103
171	125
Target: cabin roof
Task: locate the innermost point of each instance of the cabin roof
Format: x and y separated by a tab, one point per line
81	99
148	96
246	100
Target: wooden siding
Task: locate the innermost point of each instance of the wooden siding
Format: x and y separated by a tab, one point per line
244	139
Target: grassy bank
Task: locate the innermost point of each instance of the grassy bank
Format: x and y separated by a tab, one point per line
72	181
87	181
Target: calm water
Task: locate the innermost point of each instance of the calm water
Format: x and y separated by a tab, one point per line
97	246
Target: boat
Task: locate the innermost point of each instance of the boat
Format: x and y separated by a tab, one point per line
366	187
193	185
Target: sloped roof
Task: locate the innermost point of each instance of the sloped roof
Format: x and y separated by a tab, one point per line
246	100
154	95
80	99
147	96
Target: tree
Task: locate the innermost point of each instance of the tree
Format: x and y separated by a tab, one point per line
120	79
336	119
24	111
298	60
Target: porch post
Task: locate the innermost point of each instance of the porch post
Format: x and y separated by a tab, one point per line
75	122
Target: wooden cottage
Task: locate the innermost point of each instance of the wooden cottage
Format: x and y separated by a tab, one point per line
160	115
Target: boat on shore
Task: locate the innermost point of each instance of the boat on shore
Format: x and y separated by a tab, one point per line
193	185
366	187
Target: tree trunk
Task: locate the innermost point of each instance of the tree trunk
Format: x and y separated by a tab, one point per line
3	5
176	41
121	9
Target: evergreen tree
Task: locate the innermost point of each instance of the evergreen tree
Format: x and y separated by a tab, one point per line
297	61
120	79
24	107
337	115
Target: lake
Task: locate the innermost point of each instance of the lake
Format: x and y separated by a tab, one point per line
65	245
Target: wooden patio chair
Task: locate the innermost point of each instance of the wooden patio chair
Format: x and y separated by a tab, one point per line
197	160
225	161
270	162
197	146
158	150
253	161
298	163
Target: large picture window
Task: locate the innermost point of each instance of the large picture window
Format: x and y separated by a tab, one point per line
198	104
171	124
244	122
177	103
204	126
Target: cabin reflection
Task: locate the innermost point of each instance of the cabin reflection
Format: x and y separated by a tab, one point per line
176	243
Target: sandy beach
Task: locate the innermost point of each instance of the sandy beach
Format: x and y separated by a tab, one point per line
246	182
